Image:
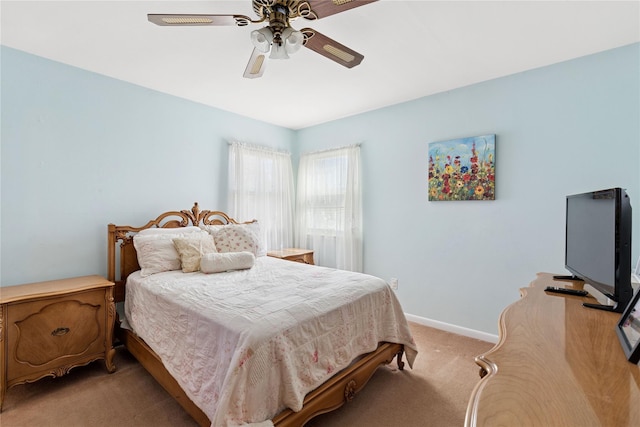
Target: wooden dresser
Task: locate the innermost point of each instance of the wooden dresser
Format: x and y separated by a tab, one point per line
48	328
294	254
557	363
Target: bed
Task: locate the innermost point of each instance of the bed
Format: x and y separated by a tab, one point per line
271	345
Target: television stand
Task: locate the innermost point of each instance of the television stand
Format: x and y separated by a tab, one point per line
572	278
615	308
555	364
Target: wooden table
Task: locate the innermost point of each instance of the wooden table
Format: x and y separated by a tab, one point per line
294	254
557	363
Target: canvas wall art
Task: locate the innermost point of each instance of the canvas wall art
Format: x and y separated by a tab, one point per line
463	169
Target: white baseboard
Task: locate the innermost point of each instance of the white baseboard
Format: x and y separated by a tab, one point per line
471	333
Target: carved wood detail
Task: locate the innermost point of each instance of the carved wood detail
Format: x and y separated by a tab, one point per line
110	324
350	391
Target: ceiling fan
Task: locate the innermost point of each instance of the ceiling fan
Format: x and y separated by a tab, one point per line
279	37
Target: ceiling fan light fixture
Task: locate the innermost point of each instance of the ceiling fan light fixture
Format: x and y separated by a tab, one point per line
345	56
293	40
262	39
289	42
279	51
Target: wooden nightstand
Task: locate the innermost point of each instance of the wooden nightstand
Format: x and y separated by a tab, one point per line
48	328
294	254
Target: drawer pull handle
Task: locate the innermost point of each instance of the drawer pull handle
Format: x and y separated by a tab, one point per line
58	332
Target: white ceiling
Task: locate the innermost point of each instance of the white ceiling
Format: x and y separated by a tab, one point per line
411	48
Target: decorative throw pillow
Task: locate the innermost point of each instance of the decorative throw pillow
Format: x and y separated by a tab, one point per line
236	238
219	262
191	248
251	227
156	252
254	227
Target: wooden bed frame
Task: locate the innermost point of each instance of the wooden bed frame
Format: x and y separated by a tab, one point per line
338	390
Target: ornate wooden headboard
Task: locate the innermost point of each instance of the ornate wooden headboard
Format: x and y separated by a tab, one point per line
123	235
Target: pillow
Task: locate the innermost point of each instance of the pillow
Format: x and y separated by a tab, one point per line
219	262
236	238
177	230
251	227
212	229
191	248
156	252
254	227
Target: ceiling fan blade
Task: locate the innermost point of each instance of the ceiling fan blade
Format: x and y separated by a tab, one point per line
190	20
330	48
256	65
316	9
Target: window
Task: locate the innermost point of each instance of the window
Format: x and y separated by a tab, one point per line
261	187
329	207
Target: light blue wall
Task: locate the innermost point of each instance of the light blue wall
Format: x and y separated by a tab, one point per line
80	150
563	129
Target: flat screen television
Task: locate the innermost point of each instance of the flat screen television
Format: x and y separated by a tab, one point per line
598	244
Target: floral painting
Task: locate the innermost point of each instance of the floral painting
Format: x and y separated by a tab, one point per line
463	169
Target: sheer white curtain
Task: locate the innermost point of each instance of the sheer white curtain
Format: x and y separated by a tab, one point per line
261	187
329	207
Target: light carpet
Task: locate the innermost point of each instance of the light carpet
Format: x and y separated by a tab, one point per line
434	393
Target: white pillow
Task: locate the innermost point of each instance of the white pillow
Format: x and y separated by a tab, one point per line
253	227
177	230
156	252
219	262
212	229
191	248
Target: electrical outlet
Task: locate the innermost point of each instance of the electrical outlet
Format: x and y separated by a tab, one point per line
393	282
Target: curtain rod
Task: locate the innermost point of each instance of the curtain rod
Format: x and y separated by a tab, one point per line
333	149
259	147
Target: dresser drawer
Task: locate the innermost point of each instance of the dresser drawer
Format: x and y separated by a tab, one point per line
46	331
48	328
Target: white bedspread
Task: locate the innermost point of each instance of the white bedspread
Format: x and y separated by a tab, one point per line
245	345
